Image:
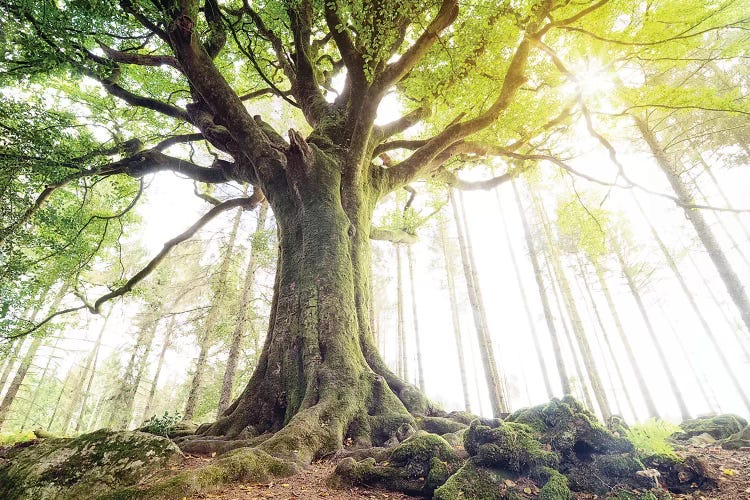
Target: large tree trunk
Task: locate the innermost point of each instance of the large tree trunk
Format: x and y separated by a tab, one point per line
730	278
451	284
245	317
498	399
319	379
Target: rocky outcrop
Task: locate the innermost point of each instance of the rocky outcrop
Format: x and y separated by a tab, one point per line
88	466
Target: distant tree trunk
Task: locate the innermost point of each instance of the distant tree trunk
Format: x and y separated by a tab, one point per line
585	394
525	300
693	303
664	360
25	364
96	414
699	374
166	342
412	287
212	321
642	385
90	371
245	317
695	216
42	381
59	400
403	367
124	399
11	361
454	313
720	221
607	341
486	351
575	318
18	344
732	325
548	317
721	192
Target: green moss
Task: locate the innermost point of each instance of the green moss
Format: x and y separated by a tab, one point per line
421	448
439	425
738	440
86	466
472	482
244	464
719	426
556	487
509	446
641	495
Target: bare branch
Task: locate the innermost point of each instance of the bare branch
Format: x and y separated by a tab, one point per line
392	235
140	59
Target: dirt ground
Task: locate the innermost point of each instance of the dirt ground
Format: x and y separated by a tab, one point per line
732	468
308	484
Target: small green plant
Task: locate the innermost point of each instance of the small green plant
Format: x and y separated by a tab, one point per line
650	437
161	426
9	438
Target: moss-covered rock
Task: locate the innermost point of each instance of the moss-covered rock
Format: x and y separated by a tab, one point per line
739	440
509	446
244	464
417	466
85	467
473	482
556	487
718	426
570	429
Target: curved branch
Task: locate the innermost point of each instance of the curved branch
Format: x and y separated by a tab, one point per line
140	59
245	203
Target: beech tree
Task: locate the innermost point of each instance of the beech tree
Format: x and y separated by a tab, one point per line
172	85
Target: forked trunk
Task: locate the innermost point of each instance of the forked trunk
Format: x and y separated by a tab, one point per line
319	379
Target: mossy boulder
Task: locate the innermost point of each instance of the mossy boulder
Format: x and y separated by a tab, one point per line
473	482
556	486
570	429
510	446
87	466
244	464
417	466
739	440
718	426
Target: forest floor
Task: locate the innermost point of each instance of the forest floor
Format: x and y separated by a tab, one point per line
732	468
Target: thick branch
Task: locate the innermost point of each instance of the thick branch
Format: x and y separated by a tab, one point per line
140	59
414	54
392	235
